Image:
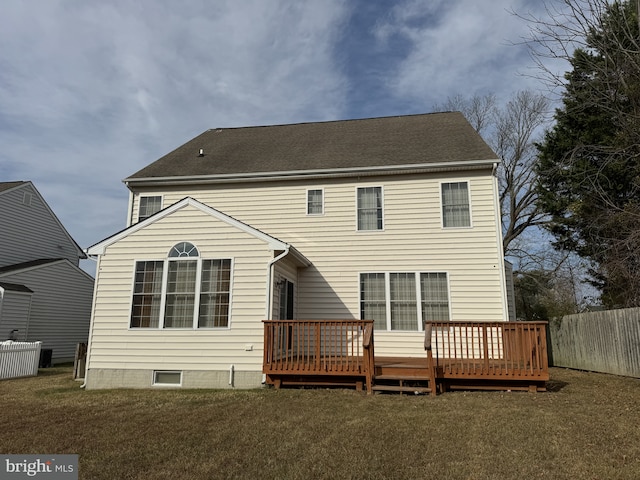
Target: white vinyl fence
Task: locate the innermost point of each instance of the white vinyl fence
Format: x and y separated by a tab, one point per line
19	359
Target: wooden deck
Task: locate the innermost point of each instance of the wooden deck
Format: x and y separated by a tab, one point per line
458	355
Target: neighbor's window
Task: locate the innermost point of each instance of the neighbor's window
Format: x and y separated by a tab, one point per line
315	203
181	300
148	206
455	205
394	301
369	209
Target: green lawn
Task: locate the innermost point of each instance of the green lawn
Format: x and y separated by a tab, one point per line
586	426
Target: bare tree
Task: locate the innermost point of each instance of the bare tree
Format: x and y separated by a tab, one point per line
511	131
517	128
479	110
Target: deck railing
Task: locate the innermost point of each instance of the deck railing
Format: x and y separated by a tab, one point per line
515	350
318	347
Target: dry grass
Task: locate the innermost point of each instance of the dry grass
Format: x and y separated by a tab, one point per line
587	426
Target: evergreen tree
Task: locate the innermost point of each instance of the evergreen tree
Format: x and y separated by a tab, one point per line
589	163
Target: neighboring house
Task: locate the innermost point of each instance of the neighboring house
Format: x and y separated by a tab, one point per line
44	295
393	219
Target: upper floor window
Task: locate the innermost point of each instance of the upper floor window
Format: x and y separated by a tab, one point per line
315	202
456	211
369	208
182	291
148	206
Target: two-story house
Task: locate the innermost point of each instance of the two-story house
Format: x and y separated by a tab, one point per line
393	219
44	294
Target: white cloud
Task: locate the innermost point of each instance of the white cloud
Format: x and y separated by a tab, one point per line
90	92
459	47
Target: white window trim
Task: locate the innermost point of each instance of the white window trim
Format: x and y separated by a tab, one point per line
165	273
387	293
468	182
306	206
381	187
148	195
164	385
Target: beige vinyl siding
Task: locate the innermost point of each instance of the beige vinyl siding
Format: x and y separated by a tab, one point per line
115	346
31	231
412	240
60	306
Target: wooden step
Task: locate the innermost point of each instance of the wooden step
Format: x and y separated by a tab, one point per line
398	388
399	377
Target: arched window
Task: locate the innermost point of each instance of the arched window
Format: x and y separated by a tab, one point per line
184	249
181	286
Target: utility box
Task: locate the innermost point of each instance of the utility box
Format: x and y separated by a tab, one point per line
45	358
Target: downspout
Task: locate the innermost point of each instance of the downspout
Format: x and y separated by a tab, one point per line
498	220
93	309
270	270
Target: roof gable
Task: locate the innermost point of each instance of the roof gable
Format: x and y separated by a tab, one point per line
6	187
428	140
272	242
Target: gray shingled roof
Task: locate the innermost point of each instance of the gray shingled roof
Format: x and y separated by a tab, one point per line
15	287
7	185
24	265
436	138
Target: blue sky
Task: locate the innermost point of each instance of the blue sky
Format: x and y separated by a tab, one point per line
92	91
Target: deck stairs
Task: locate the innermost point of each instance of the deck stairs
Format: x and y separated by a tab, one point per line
404	375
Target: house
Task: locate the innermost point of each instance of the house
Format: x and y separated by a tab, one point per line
44	294
393	219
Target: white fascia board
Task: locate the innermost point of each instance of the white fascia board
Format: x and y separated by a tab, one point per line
319	173
272	243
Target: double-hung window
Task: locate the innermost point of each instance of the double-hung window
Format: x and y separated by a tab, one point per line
147	294
148	205
315	202
369	208
182	291
456	210
404	301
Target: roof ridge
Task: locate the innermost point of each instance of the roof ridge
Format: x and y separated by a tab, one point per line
344	120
